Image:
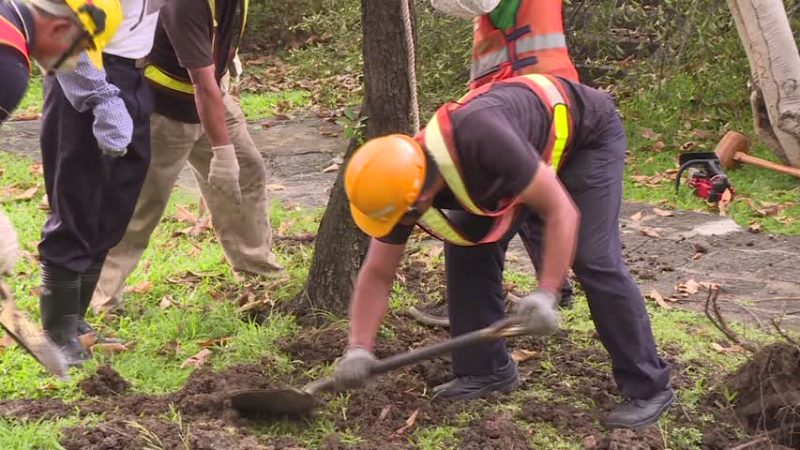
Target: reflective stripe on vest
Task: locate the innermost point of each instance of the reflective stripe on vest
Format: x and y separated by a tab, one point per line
158	76
11	36
439	142
489	62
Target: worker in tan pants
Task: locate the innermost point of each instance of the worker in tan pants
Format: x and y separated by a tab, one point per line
196	120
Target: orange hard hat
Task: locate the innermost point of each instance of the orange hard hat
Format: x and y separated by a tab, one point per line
383	180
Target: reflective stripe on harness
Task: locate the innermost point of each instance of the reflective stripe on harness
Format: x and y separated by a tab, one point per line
11	36
438	140
491	61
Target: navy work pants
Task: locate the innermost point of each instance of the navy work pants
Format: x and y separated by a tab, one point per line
593	176
92	196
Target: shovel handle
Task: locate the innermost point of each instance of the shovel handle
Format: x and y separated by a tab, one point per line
502	328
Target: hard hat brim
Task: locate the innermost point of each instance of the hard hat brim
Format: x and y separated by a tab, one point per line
375	228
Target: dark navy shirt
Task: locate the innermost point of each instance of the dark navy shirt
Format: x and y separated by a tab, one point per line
499	137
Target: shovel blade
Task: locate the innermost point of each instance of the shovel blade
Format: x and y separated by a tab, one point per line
31	338
272	402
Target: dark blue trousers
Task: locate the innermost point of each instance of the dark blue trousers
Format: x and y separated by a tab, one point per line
92	196
593	176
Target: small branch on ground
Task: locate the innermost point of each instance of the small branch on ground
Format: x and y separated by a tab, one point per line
776	323
714	315
304	237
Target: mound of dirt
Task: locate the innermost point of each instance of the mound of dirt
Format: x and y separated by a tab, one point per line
494	432
768	393
136	434
41	409
105	382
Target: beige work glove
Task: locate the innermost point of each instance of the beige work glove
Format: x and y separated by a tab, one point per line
9	249
223	174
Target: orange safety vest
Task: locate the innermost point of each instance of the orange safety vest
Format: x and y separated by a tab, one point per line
13	37
437	138
536	44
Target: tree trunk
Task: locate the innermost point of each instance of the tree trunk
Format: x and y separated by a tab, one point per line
390	108
775	67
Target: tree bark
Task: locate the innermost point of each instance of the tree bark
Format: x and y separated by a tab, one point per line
389	107
764	29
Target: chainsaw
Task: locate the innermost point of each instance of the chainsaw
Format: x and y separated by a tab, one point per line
705	175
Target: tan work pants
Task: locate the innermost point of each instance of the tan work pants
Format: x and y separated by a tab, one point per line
243	230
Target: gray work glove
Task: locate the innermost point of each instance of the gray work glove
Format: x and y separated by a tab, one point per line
9	249
538	313
354	369
223	174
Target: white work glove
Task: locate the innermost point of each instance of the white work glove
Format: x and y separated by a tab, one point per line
223	174
9	249
465	9
354	369
538	313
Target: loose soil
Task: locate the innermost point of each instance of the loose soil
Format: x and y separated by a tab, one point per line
768	393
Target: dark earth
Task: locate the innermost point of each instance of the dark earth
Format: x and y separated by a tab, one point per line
757	274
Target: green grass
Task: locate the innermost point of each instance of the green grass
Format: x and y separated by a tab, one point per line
259	106
192	272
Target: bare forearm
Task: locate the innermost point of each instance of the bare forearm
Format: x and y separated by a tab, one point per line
211	110
560	237
367	310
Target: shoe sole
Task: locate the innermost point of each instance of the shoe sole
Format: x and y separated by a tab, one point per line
644	423
503	388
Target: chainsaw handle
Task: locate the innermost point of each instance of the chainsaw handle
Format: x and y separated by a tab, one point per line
506	327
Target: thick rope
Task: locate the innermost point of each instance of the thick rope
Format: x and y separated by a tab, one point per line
412	64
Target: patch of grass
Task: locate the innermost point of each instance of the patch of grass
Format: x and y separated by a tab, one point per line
32	101
436	438
259	106
33	435
547	436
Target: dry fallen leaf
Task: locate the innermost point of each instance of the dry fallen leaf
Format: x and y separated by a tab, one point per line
108	347
170	349
659	146
331	168
184	215
36	169
637	217
412	419
754	227
6	341
770	210
197	360
650	232
649	134
735	348
663	212
166	302
703	134
659	299
27	194
589	442
385	412
219	342
140	288
521	355
275	187
88	340
691	287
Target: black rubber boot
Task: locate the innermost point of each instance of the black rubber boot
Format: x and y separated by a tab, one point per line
59	303
505	379
88	283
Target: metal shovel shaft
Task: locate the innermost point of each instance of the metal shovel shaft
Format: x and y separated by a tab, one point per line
503	328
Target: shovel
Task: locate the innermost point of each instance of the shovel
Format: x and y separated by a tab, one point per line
294	402
29	336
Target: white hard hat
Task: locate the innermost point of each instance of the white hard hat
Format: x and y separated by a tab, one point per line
466	9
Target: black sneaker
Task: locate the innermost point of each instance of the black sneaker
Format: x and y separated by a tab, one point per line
639	413
469	387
